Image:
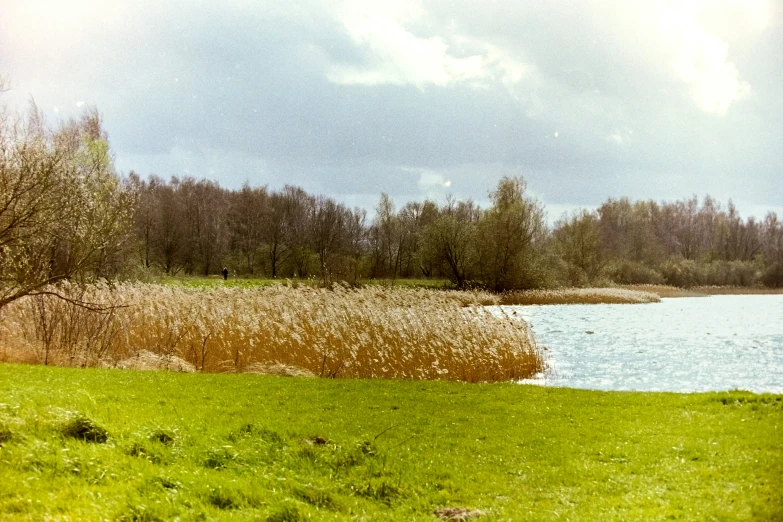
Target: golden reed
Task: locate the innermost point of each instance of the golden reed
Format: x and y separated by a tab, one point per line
370	332
578	296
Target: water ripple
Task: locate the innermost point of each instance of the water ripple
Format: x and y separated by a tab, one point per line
679	345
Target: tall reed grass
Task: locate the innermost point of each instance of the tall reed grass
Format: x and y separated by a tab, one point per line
371	332
578	296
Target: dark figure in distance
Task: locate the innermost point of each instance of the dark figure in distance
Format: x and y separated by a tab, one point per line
225	273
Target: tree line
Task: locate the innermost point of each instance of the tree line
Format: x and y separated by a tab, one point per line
66	214
194	227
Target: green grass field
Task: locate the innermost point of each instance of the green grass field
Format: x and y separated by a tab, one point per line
248	447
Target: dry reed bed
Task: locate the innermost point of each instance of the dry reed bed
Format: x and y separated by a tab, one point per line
665	290
703	291
736	290
353	333
578	296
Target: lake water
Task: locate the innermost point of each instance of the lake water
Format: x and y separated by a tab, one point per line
680	345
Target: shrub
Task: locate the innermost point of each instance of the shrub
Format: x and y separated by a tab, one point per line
773	276
631	273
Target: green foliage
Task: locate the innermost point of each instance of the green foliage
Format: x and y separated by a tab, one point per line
507	235
312	449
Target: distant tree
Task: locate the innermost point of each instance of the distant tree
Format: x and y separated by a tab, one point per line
356	234
298	211
329	224
205	215
507	234
246	213
772	234
275	233
451	239
387	239
414	219
170	232
577	240
144	219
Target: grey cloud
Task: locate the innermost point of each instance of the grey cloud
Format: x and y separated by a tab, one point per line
235	93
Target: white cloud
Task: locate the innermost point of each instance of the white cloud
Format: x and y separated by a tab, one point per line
684	40
430	181
620	137
701	59
397	56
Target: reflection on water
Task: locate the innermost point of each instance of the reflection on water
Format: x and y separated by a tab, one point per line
680	345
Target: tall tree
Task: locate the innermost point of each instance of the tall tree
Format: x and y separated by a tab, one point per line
451	239
247	210
577	240
508	232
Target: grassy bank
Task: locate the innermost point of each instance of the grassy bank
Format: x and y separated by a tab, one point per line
249	447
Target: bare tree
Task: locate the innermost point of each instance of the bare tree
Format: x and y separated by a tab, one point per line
329	225
247	209
298	206
577	240
356	233
62	207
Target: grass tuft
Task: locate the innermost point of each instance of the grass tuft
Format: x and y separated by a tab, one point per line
162	436
139	513
218	458
317	497
223	498
380	490
6	435
286	513
84	429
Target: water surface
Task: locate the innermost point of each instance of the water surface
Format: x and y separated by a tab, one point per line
681	345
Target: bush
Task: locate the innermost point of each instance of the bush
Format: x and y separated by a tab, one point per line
687	273
773	276
633	273
682	273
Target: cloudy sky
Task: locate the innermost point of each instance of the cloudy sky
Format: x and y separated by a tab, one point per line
586	99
